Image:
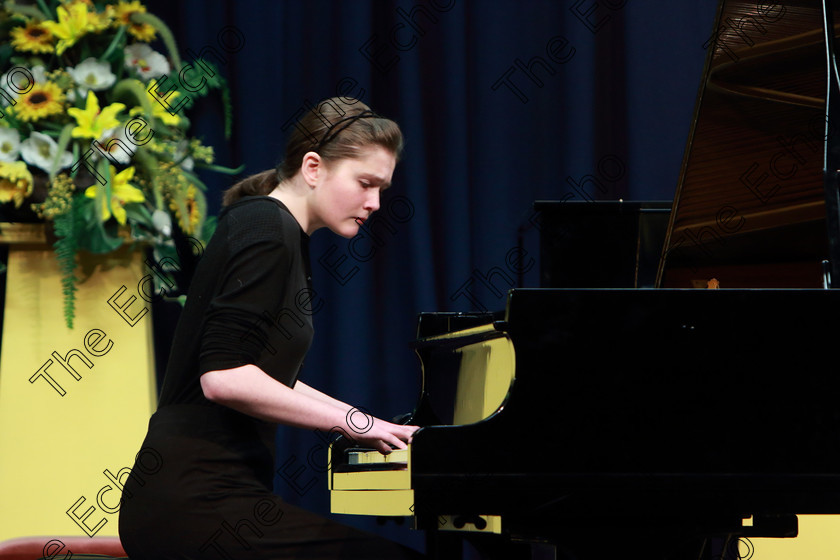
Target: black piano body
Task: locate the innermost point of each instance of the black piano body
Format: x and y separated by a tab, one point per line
659	407
620	397
671	413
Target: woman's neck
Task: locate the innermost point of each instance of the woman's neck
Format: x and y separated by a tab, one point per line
294	193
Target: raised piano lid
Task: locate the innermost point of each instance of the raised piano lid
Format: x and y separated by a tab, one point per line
750	206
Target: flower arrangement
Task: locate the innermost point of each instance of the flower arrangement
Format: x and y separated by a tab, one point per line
93	135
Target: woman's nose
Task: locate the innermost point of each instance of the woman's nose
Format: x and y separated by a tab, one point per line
372	202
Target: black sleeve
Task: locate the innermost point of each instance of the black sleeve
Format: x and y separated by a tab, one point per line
253	283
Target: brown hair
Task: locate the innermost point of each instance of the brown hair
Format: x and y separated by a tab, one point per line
336	128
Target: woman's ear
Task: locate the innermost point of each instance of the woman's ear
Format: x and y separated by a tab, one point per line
311	168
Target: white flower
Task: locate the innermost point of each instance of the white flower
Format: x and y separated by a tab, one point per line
162	222
145	61
39	73
120	150
20	79
187	164
9	144
40	150
92	74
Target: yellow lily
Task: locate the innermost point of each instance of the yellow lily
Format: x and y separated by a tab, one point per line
162	106
74	22
122	193
93	122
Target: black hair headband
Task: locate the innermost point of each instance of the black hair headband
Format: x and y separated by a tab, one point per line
334	129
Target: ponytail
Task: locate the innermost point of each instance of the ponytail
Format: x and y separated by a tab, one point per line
256	185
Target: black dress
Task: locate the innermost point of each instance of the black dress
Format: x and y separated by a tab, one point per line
201	483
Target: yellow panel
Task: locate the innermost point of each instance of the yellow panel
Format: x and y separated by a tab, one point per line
465	332
373	480
330	473
484	379
368	457
818	539
57	451
494	524
373	502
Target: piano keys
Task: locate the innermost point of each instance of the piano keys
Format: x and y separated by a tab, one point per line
473	373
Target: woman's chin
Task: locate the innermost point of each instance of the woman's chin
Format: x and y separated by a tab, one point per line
347	231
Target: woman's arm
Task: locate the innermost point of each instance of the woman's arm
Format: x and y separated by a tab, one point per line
316	394
251	391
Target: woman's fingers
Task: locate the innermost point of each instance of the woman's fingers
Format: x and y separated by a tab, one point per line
409	432
385	436
397	436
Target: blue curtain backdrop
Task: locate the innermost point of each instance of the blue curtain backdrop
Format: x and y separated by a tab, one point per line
501	102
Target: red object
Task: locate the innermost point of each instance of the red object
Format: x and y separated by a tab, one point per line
32	548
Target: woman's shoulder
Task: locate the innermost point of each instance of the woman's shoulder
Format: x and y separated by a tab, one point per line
260	217
258	209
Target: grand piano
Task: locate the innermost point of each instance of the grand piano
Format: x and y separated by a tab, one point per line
646	415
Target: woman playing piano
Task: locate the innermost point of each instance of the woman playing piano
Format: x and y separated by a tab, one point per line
237	352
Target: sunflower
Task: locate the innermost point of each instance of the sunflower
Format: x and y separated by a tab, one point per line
189	212
43	100
32	37
15	182
185	201
122	16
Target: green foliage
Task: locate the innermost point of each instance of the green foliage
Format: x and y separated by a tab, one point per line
65	253
151	184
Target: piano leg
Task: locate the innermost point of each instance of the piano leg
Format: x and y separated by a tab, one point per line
446	545
543	552
605	543
442	545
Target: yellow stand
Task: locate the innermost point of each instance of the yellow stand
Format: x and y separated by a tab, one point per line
817	540
74	404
